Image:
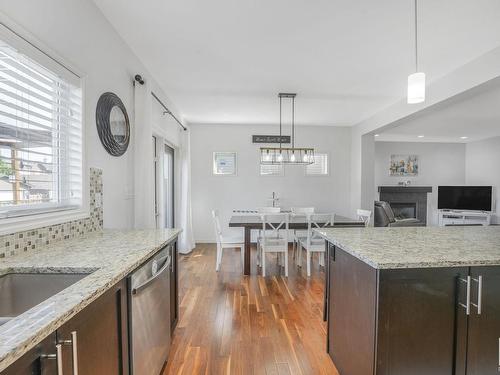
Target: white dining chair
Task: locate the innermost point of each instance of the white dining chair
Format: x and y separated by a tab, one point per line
299	212
364	216
224	242
272	240
314	243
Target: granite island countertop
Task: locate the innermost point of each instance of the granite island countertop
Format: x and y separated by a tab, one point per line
107	257
419	247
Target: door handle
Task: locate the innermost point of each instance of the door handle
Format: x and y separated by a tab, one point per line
467	303
57	357
479	304
74	351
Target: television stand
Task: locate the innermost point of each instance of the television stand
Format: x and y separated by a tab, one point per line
458	217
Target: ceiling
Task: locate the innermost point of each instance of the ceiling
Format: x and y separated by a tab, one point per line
474	114
224	61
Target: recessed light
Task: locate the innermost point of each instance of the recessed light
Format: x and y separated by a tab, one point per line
420	136
464	137
377	135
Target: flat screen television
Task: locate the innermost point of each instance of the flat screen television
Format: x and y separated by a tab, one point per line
476	198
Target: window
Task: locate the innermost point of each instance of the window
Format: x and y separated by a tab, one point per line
271	170
224	163
40	137
319	167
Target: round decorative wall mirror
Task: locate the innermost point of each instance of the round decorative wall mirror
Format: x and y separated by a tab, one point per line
112	124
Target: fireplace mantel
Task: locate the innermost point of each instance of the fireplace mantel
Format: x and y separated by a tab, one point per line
405	189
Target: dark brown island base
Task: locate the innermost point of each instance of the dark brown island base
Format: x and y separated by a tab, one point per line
414	301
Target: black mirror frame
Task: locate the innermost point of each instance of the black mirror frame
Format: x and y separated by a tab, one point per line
106	102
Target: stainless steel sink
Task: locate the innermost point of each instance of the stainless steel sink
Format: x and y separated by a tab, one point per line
20	292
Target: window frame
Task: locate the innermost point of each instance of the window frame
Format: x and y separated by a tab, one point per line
28	45
214	153
327	174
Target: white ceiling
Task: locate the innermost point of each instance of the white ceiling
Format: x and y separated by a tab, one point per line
224	61
474	114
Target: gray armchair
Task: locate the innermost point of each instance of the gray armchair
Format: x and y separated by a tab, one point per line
384	217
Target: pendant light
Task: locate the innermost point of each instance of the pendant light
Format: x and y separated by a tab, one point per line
287	155
416	81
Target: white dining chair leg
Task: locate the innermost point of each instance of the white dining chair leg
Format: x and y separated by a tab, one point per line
286	263
322	257
218	258
300	255
263	261
308	256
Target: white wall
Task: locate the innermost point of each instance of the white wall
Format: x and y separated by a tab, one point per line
248	189
439	164
481	167
78	33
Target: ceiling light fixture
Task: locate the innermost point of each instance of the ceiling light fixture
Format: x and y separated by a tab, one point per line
421	136
464	137
287	155
377	135
416	81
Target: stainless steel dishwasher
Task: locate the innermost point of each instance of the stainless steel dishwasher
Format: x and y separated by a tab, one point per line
149	296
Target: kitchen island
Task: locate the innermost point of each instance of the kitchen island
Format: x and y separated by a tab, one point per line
408	301
95	307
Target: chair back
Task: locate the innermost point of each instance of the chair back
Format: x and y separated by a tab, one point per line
272	223
268	210
302	211
383	214
364	215
318	221
218	230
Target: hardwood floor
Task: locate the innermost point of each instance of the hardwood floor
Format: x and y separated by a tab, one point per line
234	324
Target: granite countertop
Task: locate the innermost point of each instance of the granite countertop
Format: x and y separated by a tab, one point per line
107	256
419	247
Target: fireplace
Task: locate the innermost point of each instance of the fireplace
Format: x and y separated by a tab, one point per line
407	202
404	210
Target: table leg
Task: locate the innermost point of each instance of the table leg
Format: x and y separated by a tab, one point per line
246	267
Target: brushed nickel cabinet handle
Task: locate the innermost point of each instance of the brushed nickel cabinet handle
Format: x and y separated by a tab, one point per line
57	357
479	305
74	350
74	347
467	303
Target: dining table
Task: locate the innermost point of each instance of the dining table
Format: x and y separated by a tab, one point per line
250	220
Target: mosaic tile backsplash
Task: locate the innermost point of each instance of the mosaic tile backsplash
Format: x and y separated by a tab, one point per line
11	244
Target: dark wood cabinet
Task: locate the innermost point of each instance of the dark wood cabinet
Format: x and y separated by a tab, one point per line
101	332
483	338
432	321
36	362
417	320
174	287
352	303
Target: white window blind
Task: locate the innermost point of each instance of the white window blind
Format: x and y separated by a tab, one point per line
271	169
40	137
224	163
319	167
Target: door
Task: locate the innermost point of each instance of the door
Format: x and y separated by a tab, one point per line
168	185
101	344
483	349
417	320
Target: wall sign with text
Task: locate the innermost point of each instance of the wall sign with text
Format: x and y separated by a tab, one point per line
270	138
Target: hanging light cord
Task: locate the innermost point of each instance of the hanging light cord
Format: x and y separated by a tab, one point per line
280	124
416	37
293	122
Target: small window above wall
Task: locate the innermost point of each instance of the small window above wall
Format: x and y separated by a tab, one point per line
224	164
271	170
320	165
40	137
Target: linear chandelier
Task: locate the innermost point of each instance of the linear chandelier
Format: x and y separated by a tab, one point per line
287	155
416	81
